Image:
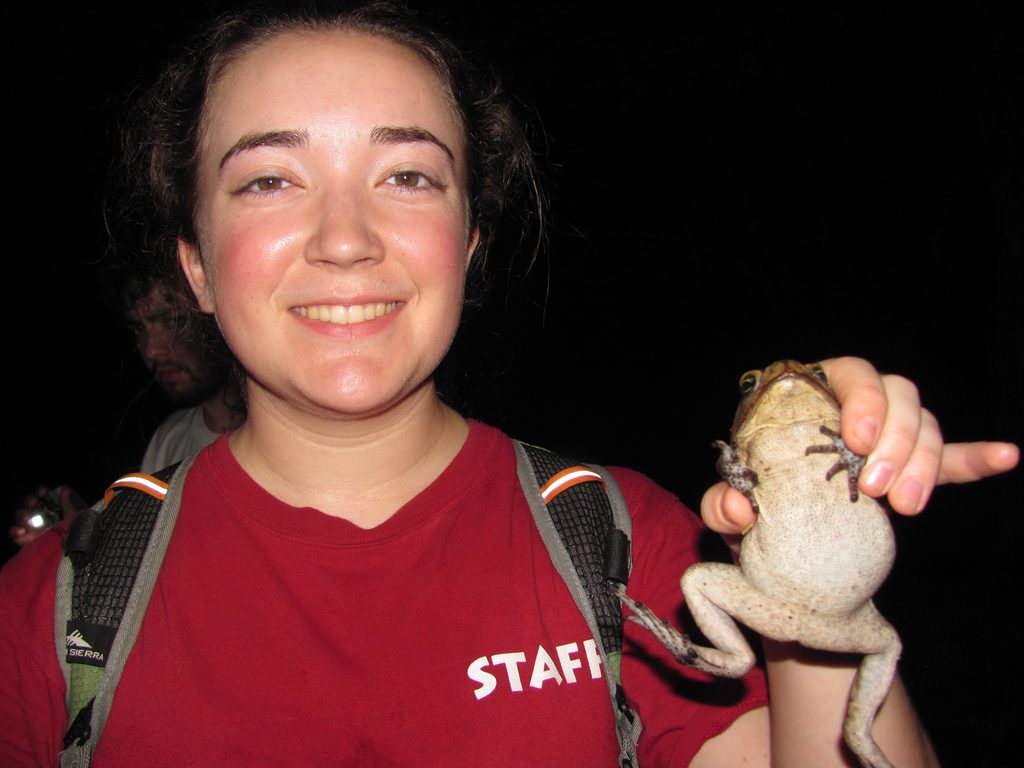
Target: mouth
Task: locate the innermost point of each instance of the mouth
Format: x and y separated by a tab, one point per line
168	372
340	314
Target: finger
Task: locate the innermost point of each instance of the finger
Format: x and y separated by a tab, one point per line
966	462
860	391
23	536
914	483
726	510
905	425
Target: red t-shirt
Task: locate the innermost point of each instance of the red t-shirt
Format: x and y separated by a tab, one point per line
283	636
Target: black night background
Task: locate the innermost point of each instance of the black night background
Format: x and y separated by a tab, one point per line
727	187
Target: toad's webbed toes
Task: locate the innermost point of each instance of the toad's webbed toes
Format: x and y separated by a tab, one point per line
735	472
852	462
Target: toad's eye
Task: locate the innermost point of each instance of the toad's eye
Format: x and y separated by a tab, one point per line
409	179
818	372
748	382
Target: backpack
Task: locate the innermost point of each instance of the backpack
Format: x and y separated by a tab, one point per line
114	551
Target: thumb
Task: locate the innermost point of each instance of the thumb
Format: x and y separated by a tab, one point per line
726	510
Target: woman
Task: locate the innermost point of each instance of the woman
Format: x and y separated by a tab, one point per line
354	576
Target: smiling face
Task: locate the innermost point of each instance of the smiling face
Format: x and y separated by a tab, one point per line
332	221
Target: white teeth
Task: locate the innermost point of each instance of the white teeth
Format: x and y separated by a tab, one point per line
342	315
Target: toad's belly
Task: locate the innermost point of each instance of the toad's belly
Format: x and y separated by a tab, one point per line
824	553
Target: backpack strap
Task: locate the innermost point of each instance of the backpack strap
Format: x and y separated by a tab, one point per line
114	552
585	524
112	557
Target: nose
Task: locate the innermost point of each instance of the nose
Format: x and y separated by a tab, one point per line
346	231
154	343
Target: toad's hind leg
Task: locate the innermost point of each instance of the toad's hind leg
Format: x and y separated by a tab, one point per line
733	656
716	594
677	643
866	631
870	687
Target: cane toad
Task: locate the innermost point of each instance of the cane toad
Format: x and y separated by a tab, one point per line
812	560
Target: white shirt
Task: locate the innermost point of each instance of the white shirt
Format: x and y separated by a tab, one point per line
182	434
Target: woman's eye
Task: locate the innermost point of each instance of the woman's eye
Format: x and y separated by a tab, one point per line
266	184
411	179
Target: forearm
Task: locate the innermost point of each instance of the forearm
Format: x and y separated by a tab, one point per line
804	723
809	691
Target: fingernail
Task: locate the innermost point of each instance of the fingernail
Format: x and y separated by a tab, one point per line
866	430
909	495
876	477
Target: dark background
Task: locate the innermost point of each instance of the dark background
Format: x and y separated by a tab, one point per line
728	187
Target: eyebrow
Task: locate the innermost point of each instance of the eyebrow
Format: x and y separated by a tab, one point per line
382	134
266	139
386	134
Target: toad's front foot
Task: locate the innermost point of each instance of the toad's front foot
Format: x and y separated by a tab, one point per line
677	643
735	472
852	462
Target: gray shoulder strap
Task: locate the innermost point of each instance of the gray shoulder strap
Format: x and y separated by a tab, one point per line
586	548
80	755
